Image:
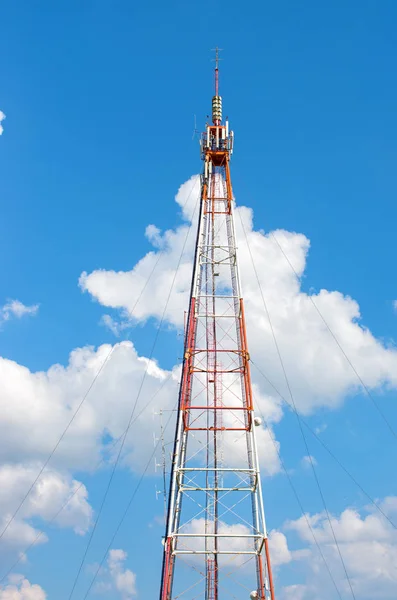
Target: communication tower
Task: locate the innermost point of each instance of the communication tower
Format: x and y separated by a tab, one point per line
215	543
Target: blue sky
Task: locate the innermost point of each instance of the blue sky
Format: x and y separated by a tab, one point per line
100	101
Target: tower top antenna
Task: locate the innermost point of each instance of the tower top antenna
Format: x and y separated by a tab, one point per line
216	100
217	59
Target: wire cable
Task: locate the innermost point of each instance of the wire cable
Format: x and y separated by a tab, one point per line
365	388
296	413
108	486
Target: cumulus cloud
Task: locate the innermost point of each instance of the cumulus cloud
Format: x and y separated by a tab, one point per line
279	551
234	537
16	309
198	527
115	326
295	592
122	289
35	407
20	588
319	373
47	497
308	461
2	117
368	544
123	580
234	569
320	429
52	492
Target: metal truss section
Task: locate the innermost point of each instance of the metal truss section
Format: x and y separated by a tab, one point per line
216	522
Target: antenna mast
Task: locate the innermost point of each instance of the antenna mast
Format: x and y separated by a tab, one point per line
217	100
216	535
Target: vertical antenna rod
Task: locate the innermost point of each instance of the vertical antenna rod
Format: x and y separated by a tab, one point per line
217	99
217	71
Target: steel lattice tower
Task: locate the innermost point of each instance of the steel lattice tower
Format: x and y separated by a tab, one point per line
215	544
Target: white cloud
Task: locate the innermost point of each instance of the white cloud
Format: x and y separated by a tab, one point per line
123	580
153	234
122	289
368	544
2	117
295	592
395	305
235	569
15	308
19	535
279	552
197	527
52	492
187	196
36	407
320	429
20	588
48	496
318	372
116	327
308	461
235	450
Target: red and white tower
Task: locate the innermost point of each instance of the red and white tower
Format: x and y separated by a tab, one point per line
215	544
